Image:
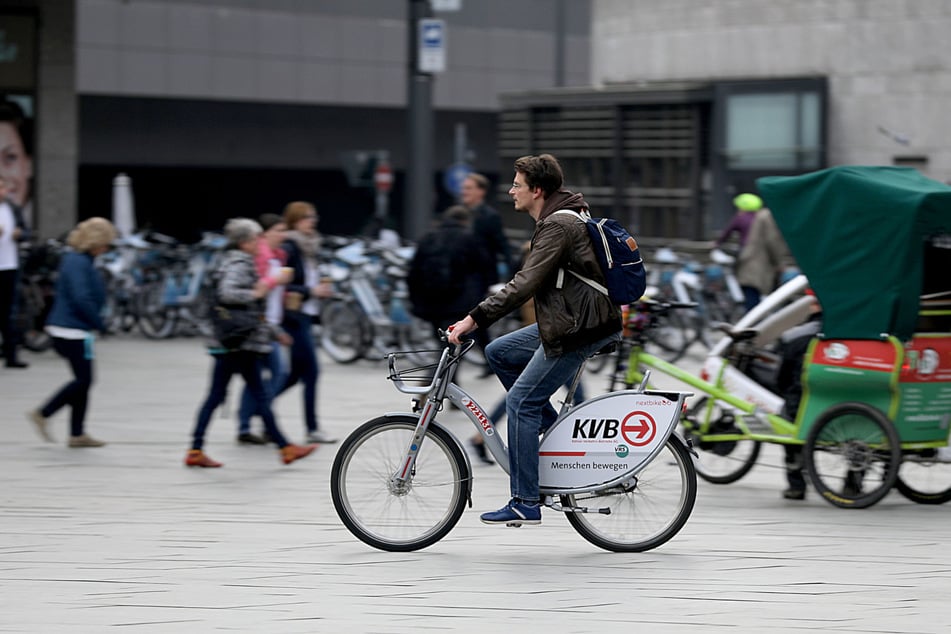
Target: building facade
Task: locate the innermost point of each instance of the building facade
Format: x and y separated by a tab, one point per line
693	99
217	108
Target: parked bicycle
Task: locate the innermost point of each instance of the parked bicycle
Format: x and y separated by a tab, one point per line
612	464
369	314
179	301
35	293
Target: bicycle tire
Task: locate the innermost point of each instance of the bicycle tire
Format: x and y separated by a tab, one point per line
156	320
36	340
399	521
646	515
344	331
159	324
851	446
720	461
924	479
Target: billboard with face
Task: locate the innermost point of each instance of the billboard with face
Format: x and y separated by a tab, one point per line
17	108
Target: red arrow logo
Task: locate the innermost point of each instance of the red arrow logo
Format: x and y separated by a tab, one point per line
638	428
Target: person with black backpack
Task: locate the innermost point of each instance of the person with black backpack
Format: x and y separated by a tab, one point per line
575	319
450	271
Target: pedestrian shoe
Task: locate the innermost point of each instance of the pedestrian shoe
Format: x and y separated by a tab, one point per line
251	439
197	458
290	453
320	436
17	364
84	440
41	423
794	494
481	452
515	513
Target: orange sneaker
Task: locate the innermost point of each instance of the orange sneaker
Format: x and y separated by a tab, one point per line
290	453
197	458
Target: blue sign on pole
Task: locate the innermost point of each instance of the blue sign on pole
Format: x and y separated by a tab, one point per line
432	45
453	176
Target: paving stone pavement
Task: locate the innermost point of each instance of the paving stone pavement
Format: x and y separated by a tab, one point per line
126	539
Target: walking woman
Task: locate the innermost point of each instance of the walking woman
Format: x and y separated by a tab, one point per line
240	288
75	315
270	264
302	246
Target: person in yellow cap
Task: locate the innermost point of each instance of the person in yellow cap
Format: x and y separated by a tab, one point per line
746	207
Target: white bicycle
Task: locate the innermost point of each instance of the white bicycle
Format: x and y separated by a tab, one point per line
612	464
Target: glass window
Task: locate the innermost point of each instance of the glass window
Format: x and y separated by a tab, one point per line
774	130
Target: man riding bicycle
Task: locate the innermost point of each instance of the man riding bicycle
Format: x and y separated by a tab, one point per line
574	321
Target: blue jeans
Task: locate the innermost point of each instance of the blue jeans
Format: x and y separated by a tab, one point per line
248	365
78	354
304	366
250	407
531	378
498	412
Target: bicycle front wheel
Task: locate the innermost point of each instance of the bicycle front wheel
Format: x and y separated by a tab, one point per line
399	516
925	477
644	513
344	331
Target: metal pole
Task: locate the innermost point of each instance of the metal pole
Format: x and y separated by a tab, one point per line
560	43
420	164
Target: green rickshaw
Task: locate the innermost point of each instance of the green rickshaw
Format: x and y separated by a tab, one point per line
875	246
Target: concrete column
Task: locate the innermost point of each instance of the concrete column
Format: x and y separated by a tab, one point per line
56	150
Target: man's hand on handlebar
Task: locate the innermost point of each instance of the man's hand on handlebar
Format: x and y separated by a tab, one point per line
460	329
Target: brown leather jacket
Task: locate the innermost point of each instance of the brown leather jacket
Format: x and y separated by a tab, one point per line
573	315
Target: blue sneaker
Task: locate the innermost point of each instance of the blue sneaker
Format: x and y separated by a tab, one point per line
514	513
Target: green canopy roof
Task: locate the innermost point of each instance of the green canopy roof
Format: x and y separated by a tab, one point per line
858	233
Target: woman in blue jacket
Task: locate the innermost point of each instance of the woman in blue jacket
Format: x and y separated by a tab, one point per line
76	314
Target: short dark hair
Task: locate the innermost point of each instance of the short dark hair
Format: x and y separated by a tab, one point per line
12	113
459	213
480	181
541	171
269	220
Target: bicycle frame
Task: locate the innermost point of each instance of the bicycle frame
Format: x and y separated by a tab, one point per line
754	421
602	442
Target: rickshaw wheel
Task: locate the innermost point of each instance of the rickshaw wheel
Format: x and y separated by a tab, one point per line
852	455
925	478
721	461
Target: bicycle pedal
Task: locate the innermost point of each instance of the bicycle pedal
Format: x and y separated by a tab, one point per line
514	524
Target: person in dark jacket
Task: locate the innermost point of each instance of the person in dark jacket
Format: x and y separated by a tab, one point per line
304	292
449	270
74	317
573	322
792	350
239	287
487	226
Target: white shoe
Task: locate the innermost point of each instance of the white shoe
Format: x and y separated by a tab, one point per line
320	436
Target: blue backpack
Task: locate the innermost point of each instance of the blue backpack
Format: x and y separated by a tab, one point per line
619	257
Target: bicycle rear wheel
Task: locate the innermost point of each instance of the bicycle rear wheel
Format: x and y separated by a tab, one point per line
395	517
646	513
852	455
